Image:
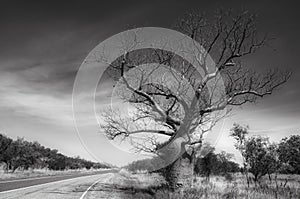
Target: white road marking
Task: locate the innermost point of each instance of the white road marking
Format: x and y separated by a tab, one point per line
48	183
83	195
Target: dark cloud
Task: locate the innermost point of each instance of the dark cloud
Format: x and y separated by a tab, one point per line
44	43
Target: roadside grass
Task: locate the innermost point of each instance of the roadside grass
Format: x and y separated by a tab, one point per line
146	186
137	181
40	173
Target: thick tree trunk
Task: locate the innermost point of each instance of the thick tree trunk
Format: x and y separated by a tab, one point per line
180	173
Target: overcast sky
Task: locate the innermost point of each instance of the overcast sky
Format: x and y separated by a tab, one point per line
43	44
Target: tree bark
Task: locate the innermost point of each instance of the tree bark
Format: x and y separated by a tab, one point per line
179	174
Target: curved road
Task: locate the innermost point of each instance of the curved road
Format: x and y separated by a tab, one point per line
68	186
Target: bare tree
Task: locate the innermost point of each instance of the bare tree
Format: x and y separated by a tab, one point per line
181	112
239	133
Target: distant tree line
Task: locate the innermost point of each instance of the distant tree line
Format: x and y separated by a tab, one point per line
213	163
22	154
205	165
261	157
140	165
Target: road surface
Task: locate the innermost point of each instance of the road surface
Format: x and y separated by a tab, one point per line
66	187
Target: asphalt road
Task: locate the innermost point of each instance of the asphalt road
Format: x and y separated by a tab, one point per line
69	186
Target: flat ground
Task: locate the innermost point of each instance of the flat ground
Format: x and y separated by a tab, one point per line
65	189
124	185
144	186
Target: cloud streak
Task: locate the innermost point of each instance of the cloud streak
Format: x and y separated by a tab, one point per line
43	45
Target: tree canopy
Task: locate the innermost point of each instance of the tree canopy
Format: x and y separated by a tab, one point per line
22	154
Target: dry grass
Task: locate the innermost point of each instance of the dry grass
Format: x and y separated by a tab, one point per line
219	187
144	186
40	173
137	181
127	185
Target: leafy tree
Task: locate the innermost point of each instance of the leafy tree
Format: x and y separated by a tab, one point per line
22	155
14	155
225	165
207	164
56	161
272	157
38	155
289	154
239	133
217	164
5	154
260	157
87	164
257	156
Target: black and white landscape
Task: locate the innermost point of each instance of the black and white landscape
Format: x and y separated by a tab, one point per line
149	99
